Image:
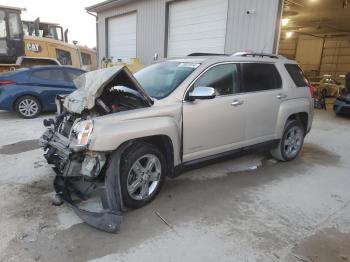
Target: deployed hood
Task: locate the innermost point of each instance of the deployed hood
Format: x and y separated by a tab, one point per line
90	86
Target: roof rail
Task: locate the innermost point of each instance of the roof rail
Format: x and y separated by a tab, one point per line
254	54
205	54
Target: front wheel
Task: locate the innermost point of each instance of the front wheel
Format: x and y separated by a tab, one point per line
142	174
291	142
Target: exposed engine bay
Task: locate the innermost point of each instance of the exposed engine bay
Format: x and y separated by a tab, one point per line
79	171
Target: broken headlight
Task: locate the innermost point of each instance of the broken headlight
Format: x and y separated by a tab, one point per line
81	132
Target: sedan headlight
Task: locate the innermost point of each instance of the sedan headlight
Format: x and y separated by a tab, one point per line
81	132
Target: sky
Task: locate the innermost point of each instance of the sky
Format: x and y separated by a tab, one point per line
70	14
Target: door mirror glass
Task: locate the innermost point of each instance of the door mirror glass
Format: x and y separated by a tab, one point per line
202	92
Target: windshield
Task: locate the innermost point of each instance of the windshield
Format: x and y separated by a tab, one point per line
159	80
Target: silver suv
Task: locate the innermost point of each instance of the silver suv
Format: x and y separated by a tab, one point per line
126	132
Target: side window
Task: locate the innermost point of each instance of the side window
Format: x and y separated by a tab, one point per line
64	57
72	74
260	77
50	74
14	25
223	78
86	58
3	32
297	75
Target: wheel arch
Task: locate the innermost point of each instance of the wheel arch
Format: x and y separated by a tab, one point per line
302	117
162	142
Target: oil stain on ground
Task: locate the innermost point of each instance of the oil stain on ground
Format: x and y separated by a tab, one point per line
19	147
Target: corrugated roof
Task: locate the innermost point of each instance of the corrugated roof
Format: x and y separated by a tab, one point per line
107	4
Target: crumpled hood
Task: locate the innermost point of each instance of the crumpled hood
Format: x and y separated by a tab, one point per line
90	86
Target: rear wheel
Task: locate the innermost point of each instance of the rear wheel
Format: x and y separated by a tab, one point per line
142	174
291	142
28	107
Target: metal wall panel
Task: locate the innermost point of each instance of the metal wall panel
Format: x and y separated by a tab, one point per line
255	31
252	24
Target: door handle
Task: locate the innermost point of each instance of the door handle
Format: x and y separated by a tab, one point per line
281	96
237	103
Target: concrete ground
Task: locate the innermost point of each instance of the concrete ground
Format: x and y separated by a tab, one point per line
246	209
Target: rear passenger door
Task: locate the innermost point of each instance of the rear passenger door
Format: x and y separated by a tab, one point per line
50	82
263	85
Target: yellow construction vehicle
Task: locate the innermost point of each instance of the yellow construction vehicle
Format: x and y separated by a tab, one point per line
30	43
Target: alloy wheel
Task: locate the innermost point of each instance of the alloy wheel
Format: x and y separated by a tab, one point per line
144	177
28	107
293	141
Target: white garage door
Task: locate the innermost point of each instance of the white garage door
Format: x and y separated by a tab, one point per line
122	37
197	26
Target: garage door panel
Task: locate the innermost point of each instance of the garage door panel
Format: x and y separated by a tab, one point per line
197	26
122	37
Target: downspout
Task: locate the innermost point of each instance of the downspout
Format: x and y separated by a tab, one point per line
97	46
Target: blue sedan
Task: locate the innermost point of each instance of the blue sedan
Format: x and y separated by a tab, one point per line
29	91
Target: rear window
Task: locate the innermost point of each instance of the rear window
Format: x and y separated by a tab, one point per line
297	75
64	57
86	58
260	77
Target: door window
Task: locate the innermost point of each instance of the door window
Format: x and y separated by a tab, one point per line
3	32
260	77
223	78
50	74
14	25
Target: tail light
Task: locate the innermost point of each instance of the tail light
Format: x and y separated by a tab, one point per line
312	90
6	82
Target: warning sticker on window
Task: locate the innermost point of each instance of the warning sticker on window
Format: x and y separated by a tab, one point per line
189	65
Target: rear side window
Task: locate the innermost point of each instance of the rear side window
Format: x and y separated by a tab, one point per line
260	77
297	75
50	74
73	74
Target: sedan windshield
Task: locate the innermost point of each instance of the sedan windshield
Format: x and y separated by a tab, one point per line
159	80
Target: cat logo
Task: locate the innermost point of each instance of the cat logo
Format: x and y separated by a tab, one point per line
33	47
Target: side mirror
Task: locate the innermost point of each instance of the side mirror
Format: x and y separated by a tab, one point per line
202	92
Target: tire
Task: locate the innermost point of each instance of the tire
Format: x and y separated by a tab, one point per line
138	185
291	142
28	107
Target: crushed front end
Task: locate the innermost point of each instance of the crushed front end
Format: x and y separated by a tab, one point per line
81	173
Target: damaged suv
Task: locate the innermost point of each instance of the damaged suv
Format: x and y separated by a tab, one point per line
119	135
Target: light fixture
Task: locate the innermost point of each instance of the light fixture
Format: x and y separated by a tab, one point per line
289	34
285	21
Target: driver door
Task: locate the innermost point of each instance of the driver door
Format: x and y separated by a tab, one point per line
216	125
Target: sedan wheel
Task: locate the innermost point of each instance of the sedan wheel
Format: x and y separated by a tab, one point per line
28	107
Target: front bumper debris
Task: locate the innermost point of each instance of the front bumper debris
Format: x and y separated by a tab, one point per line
76	189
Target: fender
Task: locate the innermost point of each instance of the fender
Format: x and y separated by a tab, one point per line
116	133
